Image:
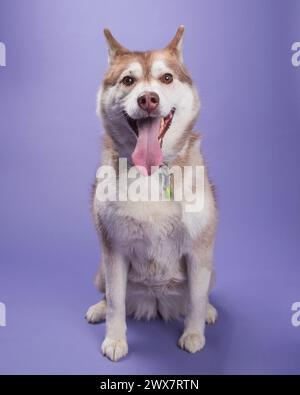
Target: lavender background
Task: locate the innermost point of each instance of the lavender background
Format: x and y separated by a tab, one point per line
239	54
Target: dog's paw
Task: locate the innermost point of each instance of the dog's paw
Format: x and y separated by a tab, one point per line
211	314
114	349
192	342
97	312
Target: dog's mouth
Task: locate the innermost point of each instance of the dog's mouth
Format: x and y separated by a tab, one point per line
165	124
150	132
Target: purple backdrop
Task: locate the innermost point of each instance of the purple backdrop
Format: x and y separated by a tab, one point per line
239	53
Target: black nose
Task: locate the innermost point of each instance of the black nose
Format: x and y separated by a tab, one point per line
148	101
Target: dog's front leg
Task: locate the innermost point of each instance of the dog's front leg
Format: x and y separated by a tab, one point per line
115	343
199	278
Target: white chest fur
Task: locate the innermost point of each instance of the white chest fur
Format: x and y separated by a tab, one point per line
153	235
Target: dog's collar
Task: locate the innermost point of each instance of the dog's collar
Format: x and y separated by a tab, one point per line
167	184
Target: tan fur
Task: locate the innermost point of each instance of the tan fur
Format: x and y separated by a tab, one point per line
123	59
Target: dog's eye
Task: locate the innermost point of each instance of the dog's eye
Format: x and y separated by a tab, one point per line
167	78
127	80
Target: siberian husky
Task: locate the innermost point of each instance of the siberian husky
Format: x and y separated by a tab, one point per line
157	256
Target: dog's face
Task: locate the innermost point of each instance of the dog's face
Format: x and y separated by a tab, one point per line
148	102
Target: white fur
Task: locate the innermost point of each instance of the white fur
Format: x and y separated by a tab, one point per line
159	68
134	69
96	312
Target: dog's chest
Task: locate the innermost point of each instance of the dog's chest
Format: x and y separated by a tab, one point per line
152	236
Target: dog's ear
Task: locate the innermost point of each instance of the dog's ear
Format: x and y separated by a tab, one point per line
114	47
176	44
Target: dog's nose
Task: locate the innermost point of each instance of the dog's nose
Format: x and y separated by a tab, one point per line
148	101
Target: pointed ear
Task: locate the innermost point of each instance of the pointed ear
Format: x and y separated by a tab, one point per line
114	47
176	44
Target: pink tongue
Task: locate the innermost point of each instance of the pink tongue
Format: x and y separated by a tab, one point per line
147	151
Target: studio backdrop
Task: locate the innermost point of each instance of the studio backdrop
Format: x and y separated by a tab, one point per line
244	58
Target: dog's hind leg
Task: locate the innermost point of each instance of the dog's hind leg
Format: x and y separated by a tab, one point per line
96	312
100	279
211	314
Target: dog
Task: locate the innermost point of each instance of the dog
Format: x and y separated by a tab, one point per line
157	257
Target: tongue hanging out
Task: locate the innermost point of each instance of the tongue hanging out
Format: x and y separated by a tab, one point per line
147	151
151	132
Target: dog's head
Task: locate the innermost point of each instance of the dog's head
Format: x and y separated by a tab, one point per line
148	102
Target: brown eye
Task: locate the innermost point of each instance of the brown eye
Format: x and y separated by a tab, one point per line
167	78
127	80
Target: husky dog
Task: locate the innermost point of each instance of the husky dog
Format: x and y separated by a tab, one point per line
157	258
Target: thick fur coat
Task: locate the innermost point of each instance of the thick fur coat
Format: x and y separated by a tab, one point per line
157	256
